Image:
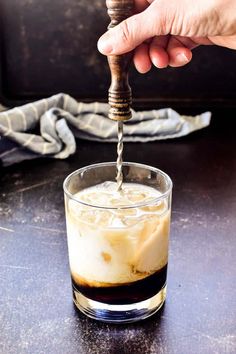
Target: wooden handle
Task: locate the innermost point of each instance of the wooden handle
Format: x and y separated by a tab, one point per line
120	96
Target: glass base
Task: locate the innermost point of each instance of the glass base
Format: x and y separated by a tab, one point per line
119	313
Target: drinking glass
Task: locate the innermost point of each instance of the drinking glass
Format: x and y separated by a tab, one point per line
118	251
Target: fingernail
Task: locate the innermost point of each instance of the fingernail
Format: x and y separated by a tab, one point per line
104	44
157	64
181	58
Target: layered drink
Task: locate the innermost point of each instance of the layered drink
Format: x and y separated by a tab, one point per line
118	242
118	235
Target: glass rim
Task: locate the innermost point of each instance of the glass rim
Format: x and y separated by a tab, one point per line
137	205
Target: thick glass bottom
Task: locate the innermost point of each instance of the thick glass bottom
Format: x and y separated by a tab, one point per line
119	313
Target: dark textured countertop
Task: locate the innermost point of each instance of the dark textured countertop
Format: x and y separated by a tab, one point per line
36	310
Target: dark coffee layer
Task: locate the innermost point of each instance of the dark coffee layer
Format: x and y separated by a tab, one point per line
125	294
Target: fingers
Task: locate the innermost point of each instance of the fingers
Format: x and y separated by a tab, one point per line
163	51
158	53
179	54
142	60
132	32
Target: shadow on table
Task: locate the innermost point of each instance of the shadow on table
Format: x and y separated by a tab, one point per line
142	337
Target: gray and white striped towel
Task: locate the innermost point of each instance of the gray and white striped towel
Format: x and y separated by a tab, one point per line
49	127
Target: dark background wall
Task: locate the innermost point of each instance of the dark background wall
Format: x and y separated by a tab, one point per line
50	46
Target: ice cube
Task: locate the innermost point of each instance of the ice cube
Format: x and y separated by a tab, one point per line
118	222
127	212
159	208
108	186
103	218
136	196
152	253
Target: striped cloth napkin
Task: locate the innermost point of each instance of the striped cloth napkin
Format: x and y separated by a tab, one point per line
49	127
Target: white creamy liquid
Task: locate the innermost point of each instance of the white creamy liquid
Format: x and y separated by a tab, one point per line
120	245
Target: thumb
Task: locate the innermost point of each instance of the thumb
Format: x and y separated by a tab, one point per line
132	32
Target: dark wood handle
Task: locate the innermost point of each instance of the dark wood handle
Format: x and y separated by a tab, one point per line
120	95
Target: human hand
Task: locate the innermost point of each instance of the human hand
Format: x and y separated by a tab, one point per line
164	32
